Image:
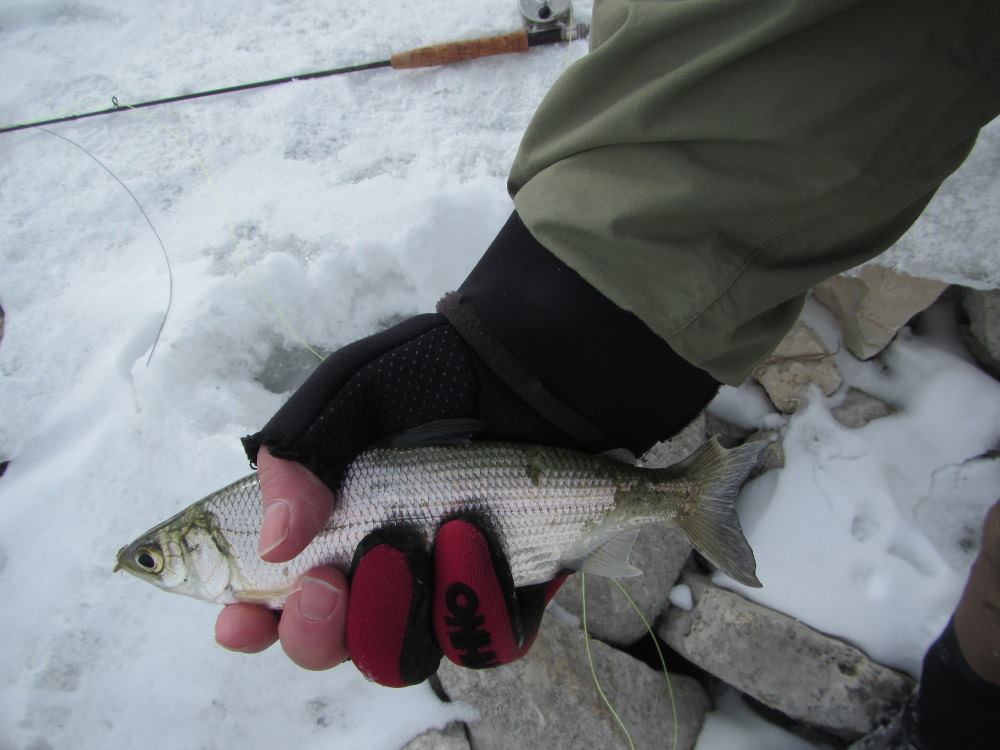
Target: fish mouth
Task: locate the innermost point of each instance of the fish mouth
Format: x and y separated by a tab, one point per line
118	559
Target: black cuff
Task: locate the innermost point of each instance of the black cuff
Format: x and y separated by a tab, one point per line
593	369
956	709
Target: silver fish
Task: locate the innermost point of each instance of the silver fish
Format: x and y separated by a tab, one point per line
551	509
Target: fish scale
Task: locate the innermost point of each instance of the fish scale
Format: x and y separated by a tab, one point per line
549	509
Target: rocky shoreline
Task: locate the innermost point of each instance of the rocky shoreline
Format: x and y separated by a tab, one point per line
815	685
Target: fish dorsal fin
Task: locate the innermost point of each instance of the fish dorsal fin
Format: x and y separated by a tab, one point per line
621	455
611	558
439	432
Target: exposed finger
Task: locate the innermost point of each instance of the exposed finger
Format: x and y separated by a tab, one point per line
246	628
297	506
313	622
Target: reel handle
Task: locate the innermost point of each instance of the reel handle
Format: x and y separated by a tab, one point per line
471	49
453	52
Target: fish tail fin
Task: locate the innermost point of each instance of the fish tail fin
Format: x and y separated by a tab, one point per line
711	523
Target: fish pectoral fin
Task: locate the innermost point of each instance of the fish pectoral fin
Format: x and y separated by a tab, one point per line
438	432
611	558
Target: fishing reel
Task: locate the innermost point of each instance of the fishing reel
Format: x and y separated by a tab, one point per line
542	15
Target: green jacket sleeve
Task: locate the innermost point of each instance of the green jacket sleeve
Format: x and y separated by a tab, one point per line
711	160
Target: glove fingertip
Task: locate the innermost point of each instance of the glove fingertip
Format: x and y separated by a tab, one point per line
475	615
389	635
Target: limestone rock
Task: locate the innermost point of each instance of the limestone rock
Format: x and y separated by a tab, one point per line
783	663
773	456
679	447
452	737
983	335
957	237
874	305
728	433
548	698
659	553
859	408
800	360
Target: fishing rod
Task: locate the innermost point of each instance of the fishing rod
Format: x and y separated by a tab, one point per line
545	22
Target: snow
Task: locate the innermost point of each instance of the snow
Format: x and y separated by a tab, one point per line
868	533
319	212
746	406
336	205
734	725
680	596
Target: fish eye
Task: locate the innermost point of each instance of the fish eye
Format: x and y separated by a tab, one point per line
149	559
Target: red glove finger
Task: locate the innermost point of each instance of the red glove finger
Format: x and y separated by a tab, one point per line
480	619
389	637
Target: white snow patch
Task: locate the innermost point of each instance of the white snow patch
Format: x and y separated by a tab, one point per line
680	596
746	406
320	212
734	725
868	534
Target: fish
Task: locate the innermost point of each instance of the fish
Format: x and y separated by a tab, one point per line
551	509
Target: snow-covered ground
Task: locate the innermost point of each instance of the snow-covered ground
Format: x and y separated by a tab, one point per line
868	533
319	211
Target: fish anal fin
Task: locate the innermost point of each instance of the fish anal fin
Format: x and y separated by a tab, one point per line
273	599
611	558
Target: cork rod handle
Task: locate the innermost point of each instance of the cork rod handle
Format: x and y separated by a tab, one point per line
453	52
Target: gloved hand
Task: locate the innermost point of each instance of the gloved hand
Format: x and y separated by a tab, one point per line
528	349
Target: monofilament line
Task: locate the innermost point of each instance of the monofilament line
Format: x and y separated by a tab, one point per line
238	251
590	660
659	652
166	258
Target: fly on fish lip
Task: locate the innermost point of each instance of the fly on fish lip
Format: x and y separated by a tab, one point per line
118	558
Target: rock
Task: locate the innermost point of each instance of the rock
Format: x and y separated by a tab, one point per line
679	447
783	663
452	737
858	409
659	553
957	237
983	334
773	456
548	699
874	305
286	368
800	360
728	433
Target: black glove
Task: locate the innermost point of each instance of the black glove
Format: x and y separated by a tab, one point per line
536	355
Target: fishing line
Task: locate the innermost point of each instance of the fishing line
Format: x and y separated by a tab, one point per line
166	258
659	653
238	255
443	54
182	140
590	661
